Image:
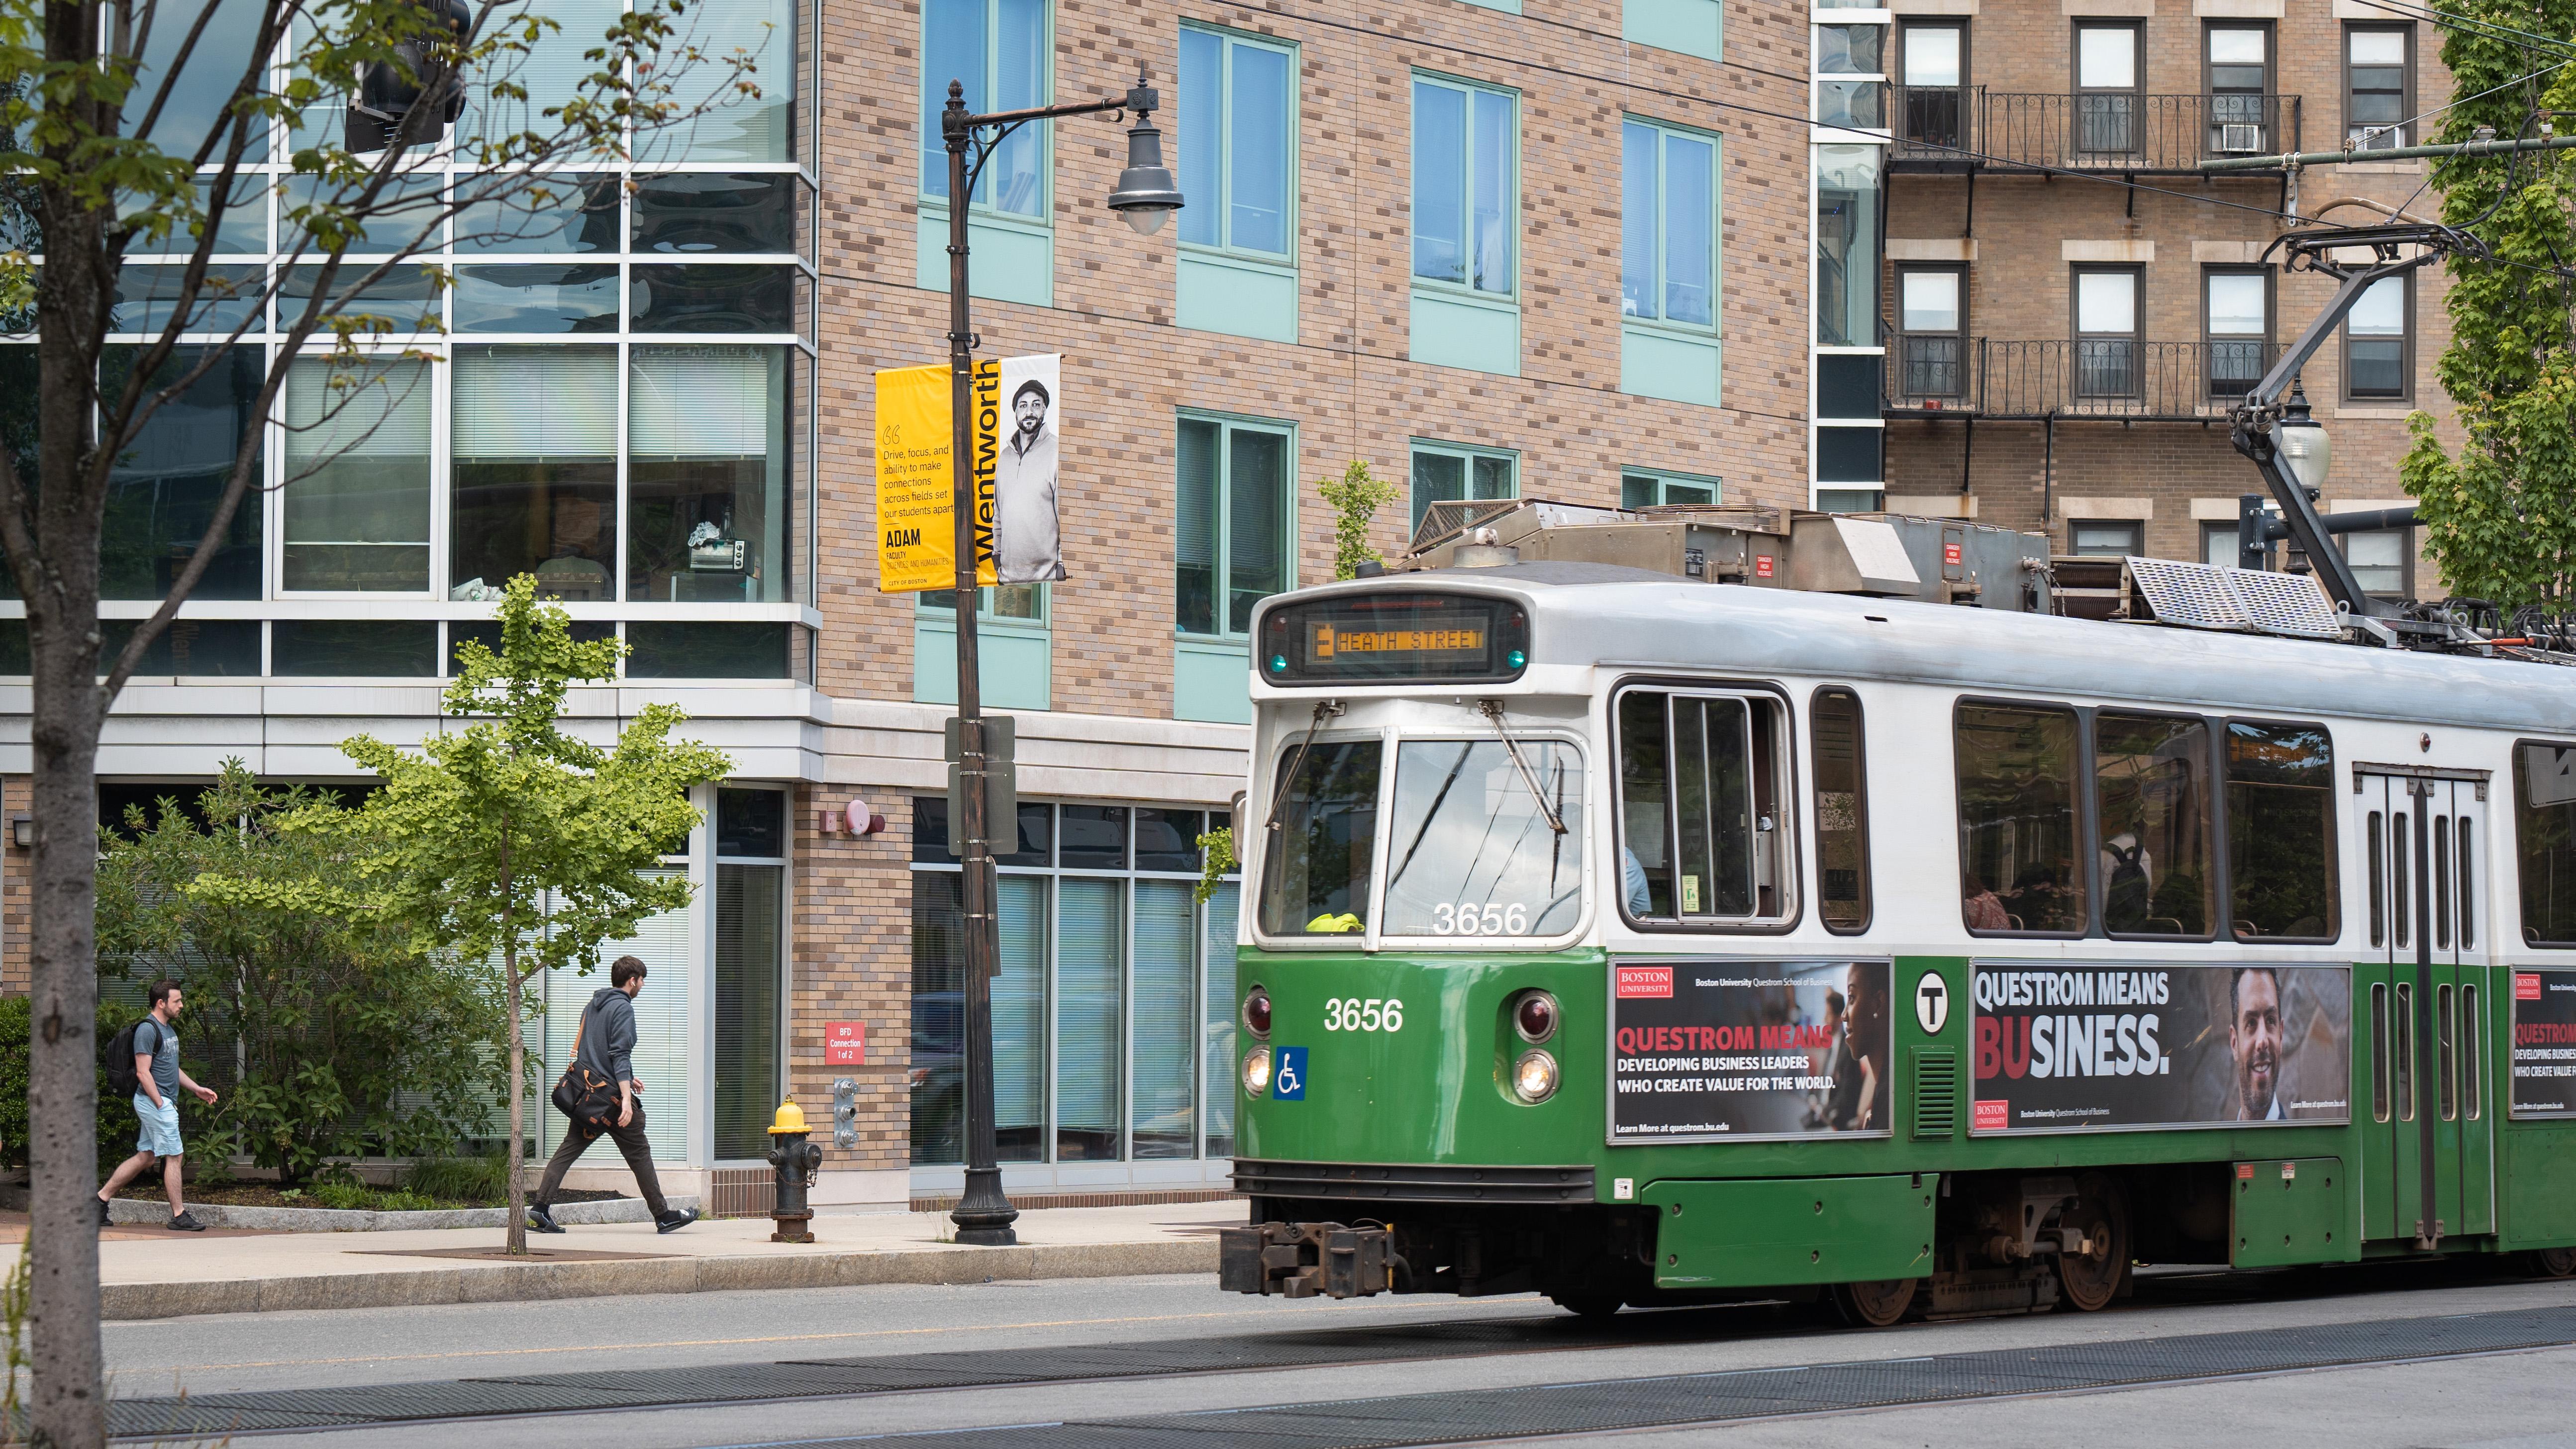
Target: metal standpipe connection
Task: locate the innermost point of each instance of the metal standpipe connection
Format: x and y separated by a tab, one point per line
795	1160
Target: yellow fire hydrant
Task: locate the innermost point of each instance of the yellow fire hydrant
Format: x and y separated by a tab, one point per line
795	1160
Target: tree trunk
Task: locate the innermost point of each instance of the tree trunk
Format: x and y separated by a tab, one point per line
516	1244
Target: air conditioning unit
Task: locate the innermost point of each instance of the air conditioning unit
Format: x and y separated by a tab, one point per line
2240	140
2379	138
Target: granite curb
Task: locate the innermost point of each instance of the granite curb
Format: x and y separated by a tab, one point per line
516	1283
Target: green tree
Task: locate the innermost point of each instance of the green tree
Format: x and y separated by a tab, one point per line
1355	498
126	125
514	843
335	1036
2499	514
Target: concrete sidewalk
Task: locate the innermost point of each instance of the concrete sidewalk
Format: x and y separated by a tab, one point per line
170	1275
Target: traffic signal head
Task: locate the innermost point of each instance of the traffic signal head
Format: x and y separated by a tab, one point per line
389	91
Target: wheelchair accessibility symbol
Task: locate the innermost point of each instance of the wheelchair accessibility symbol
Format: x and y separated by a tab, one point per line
1289	1083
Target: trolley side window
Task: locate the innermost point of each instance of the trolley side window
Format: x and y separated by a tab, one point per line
2018	871
1697	807
2544	841
2281	832
1323	840
2152	824
1842	811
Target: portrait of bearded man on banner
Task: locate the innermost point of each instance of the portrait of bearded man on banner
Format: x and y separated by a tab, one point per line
1027	547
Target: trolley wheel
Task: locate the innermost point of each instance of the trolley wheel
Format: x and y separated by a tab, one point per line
1592	1306
1880	1304
2550	1262
2089	1279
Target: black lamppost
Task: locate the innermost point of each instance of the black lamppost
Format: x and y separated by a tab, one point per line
1146	197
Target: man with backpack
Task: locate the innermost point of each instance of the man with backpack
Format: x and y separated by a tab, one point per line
143	1061
602	1056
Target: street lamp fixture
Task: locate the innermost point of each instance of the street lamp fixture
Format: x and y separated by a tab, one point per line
2302	443
1146	197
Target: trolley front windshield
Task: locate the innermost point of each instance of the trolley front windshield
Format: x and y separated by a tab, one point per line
1471	850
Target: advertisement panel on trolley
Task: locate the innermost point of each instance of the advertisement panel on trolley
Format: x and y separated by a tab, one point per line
1724	1050
2544	1044
2061	1049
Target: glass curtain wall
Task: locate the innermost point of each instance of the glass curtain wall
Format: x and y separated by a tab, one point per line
547	435
1113	1015
751	968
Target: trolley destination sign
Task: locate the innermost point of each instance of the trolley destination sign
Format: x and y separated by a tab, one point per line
2163	1046
1706	1050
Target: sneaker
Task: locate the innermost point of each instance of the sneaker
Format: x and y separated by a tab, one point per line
186	1224
672	1222
542	1220
102	1212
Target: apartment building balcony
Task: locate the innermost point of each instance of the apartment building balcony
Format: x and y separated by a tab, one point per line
1968	128
2113	378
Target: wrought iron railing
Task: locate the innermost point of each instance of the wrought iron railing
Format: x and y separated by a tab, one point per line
2109	377
2090	130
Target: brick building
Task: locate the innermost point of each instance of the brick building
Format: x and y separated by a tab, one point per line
2070	301
1557	249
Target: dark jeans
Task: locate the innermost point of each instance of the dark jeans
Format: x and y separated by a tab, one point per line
630	1140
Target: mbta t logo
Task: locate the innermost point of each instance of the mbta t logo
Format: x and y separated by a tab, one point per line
1931	1003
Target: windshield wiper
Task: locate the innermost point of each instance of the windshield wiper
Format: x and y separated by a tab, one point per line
1492	709
1324	709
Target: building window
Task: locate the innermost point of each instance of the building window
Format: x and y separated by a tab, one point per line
1641	489
1466	183
2378	85
2218	544
1237	140
1932	315
2102	538
2236	318
358	473
998	50
2383	561
1847	204
751	968
1232	530
1668	225
1445	473
2106	332
2237	69
2378	336
1935	75
706	446
1113	1014
534	489
2106	87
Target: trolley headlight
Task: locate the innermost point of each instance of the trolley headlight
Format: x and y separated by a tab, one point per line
1256	1072
1256	1013
1534	1077
1534	1016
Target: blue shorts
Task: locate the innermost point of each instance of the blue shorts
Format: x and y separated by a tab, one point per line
160	1135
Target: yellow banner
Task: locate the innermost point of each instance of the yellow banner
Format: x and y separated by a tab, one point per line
916	490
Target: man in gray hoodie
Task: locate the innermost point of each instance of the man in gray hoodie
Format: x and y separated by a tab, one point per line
607	1047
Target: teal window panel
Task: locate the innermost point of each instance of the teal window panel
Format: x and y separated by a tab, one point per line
1007	261
1676	367
1212	680
1015	658
1649	487
1238	296
1693	27
1453	329
1451	473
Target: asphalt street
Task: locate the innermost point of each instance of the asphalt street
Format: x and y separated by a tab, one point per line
2517	1399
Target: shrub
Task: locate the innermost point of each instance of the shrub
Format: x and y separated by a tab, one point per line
116	1126
481	1179
327	1032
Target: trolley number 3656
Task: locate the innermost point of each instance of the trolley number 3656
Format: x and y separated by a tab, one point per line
1349	1013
